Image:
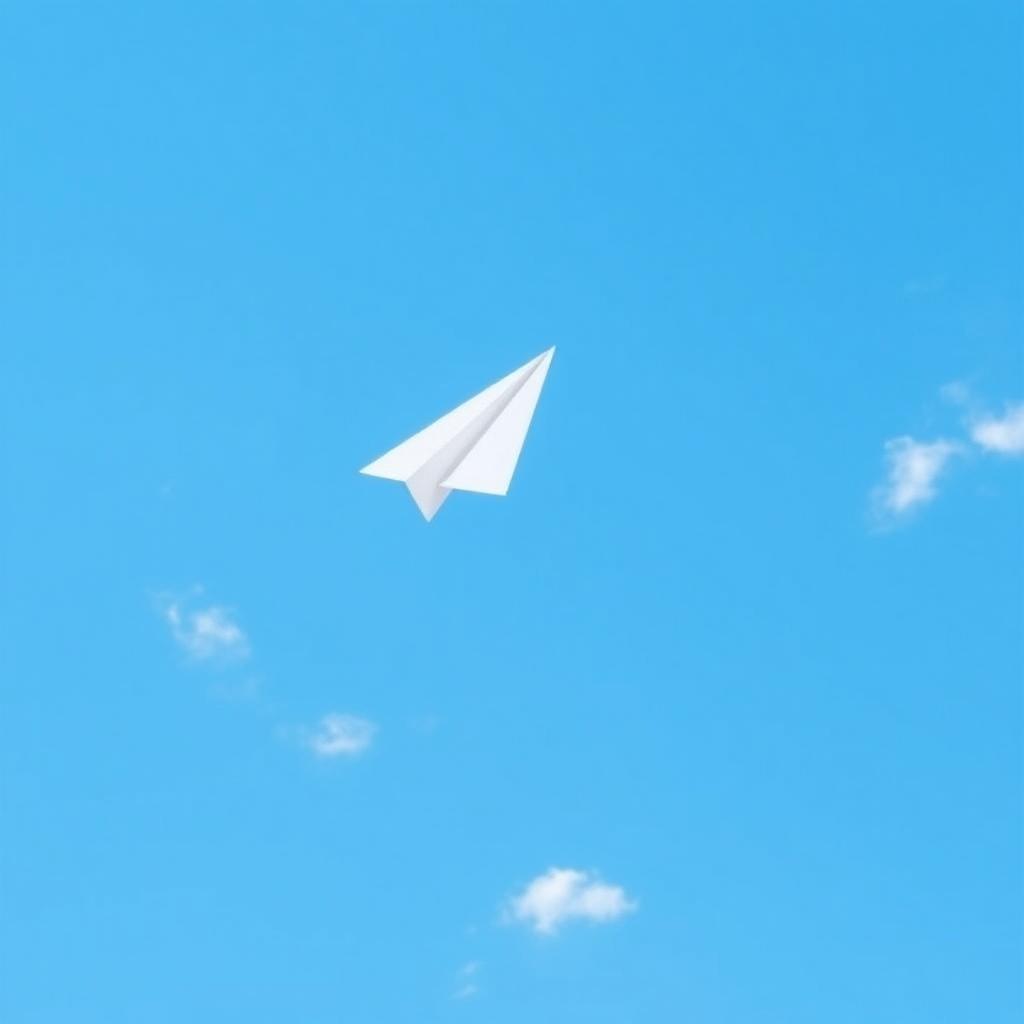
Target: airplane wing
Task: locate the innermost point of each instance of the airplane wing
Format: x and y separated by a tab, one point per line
490	463
475	447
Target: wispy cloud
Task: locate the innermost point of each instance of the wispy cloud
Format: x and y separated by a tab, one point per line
465	980
564	894
913	469
210	633
1003	434
957	392
338	735
206	634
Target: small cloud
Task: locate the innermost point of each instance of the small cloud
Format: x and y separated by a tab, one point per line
466	987
913	469
563	894
340	735
1002	434
206	633
956	392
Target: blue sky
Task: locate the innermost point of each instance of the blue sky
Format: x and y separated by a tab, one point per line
716	717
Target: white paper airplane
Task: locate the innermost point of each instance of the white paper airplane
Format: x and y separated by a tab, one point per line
474	447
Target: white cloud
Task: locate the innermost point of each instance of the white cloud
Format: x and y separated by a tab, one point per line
206	633
957	392
340	735
466	986
913	469
1003	434
562	894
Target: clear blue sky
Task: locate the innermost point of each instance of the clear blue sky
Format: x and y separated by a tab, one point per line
699	654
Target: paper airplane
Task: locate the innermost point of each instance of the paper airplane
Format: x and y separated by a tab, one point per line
474	447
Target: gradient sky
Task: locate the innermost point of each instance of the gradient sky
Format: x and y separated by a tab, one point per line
743	646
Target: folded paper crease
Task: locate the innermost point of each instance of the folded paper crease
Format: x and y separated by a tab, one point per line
475	447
